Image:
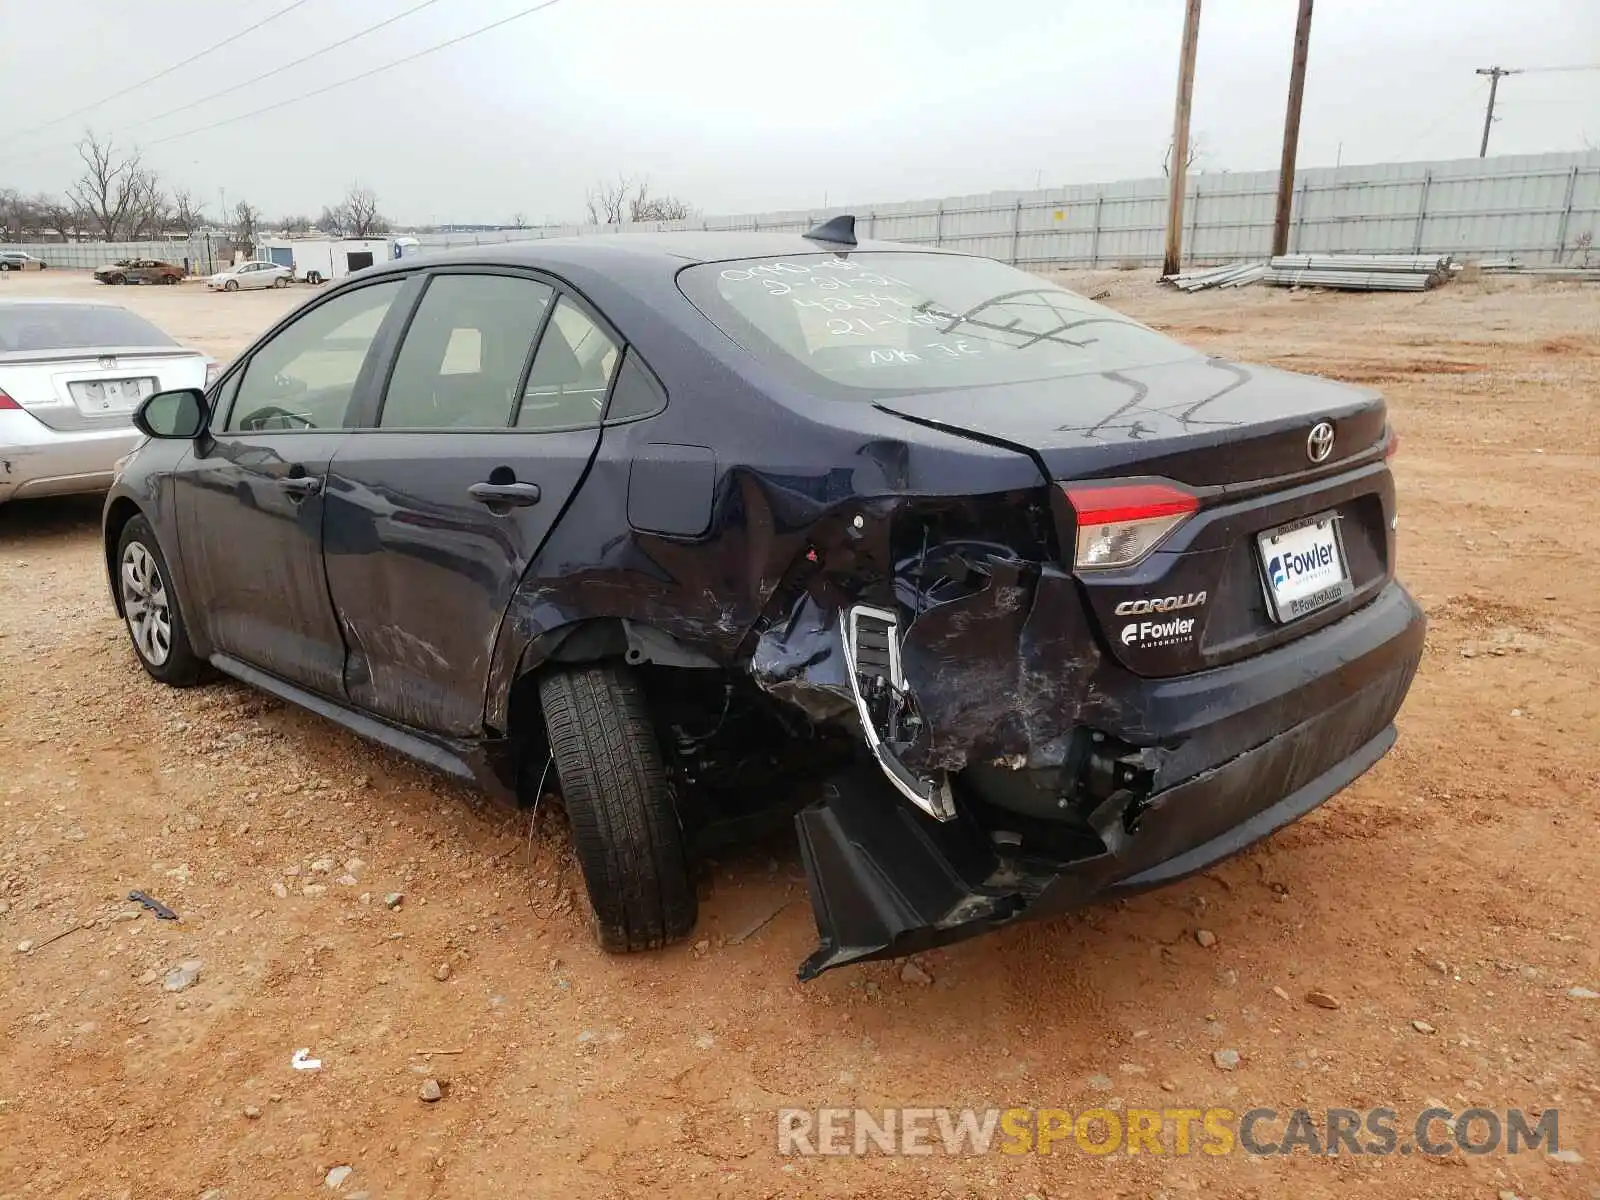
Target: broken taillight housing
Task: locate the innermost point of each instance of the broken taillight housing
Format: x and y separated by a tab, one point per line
1120	523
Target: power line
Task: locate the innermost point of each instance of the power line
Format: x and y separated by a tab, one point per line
172	112
162	74
1573	67
399	62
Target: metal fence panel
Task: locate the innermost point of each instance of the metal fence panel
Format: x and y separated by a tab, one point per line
199	253
1537	208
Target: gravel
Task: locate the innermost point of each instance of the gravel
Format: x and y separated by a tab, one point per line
911	973
1226	1060
431	1092
336	1177
1205	937
1322	1000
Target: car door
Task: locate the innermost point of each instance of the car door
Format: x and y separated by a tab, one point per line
250	499
486	428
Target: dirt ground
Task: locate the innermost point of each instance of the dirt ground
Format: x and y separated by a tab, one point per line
1455	885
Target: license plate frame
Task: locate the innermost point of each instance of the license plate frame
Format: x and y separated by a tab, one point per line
108	397
1285	604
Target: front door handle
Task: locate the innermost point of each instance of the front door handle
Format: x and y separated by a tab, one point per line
301	485
519	495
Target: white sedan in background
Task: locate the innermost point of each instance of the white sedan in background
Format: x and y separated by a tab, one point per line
251	275
71	374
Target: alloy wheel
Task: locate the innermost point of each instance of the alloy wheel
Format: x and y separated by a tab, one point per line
145	604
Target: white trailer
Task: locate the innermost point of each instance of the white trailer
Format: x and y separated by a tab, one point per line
319	260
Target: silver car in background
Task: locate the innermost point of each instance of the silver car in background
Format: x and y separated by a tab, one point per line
254	274
71	375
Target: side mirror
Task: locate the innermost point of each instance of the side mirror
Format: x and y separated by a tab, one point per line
179	415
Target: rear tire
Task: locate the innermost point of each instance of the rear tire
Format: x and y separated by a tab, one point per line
313	276
624	825
150	609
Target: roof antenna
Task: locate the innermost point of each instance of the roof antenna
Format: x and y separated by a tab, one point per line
840	230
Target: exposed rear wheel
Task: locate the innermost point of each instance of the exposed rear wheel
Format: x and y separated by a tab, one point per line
624	825
150	608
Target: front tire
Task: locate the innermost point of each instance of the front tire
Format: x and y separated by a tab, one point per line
150	609
116	279
624	826
231	285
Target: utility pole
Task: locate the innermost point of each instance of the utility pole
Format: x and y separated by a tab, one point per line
1291	130
1178	174
1494	74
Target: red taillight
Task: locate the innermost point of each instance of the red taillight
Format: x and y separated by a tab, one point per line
7	402
1119	523
1393	447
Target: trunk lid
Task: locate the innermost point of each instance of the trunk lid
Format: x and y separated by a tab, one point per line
1206	422
72	391
1240	439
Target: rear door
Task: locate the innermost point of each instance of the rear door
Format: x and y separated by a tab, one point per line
486	427
250	497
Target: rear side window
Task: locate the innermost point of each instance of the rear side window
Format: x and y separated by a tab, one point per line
571	372
637	392
464	353
304	376
34	327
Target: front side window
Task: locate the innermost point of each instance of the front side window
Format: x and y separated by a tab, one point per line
464	353
304	377
853	326
571	372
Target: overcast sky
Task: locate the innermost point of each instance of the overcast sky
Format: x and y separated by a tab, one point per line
741	105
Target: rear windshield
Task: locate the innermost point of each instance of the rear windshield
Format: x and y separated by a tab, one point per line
877	322
74	327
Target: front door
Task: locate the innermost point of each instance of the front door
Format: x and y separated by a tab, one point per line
250	497
434	515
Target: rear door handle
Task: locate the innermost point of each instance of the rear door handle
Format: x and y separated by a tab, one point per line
519	495
301	485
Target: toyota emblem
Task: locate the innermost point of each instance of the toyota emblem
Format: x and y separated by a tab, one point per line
1319	443
108	361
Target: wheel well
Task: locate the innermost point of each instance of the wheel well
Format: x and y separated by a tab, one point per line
122	511
601	639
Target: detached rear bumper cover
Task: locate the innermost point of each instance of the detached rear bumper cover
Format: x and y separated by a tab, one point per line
887	881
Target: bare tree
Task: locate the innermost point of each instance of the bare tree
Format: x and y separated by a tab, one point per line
519	220
118	196
246	224
187	212
629	199
62	218
333	220
356	217
149	210
362	218
645	207
608	202
295	224
1198	152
